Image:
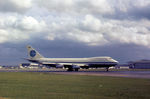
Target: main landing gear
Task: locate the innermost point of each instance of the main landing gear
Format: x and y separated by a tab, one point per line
73	69
107	69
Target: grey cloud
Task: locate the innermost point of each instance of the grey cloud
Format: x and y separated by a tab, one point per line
118	9
16	28
77	6
140	12
130	9
87	29
15	5
93	31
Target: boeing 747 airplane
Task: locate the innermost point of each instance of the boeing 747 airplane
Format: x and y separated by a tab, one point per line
72	64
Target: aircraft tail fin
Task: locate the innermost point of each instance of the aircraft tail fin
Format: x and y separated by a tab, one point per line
32	53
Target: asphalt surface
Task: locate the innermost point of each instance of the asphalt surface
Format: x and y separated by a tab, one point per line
131	74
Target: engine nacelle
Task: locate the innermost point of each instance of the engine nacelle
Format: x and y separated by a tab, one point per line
59	66
75	67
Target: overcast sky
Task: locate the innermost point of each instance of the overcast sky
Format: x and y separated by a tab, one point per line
75	28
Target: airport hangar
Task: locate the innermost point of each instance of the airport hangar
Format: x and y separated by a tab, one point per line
140	64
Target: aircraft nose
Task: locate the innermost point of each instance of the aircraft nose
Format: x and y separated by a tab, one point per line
115	61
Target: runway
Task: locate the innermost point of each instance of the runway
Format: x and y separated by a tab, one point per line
130	74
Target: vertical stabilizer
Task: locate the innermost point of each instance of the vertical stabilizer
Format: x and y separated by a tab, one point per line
32	53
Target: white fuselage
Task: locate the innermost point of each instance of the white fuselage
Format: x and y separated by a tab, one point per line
92	60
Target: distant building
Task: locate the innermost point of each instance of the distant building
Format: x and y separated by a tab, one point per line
29	65
141	64
10	67
122	66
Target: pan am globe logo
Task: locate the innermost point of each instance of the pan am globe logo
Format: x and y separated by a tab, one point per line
32	53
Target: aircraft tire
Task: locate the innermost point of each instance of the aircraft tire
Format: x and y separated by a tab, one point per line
70	69
76	69
107	69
